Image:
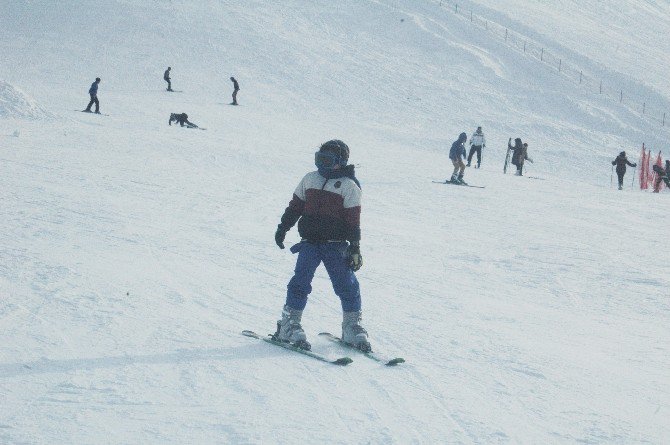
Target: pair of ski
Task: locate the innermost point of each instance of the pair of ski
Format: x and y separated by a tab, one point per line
458	183
342	361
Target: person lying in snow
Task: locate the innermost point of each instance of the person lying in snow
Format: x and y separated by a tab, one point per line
181	119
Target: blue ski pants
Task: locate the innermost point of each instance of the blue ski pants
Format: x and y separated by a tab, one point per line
334	257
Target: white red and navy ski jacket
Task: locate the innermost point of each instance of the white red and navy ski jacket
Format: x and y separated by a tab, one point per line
478	139
327	209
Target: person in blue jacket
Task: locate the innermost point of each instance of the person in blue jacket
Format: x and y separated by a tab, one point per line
93	92
457	154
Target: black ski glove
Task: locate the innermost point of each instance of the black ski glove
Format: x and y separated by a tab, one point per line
355	257
280	234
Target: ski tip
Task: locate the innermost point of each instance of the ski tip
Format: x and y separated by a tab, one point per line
344	361
395	361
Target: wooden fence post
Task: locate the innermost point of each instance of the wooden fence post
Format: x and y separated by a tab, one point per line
542	55
580	77
505	34
524	46
621	96
560	61
644	107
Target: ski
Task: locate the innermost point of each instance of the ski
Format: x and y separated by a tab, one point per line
458	183
372	355
342	361
92	112
509	147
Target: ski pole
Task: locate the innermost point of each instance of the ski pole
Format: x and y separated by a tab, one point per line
611	174
632	182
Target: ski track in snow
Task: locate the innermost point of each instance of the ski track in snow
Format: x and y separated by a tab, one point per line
132	253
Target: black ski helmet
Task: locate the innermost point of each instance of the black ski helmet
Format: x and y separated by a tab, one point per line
337	147
97	79
463	137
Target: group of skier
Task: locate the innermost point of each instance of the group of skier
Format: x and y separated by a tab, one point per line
662	174
326	205
93	93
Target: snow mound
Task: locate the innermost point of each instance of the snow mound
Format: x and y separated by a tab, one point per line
16	103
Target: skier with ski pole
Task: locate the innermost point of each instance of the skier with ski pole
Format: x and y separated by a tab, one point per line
327	207
621	161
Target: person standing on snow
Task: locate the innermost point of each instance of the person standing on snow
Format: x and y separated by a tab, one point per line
457	154
166	77
522	158
236	88
477	142
327	207
93	92
662	175
621	161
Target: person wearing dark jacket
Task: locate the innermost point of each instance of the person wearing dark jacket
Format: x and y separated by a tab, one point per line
621	161
166	77
327	207
663	175
181	119
93	92
519	156
236	88
456	155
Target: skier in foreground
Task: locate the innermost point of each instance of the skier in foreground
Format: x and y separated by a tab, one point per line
181	119
166	77
93	92
620	162
477	142
457	154
327	206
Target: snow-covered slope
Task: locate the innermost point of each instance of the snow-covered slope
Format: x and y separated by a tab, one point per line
132	253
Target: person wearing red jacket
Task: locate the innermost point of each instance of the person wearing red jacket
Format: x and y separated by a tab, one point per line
327	207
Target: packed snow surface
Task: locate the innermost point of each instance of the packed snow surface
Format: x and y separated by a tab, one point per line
133	253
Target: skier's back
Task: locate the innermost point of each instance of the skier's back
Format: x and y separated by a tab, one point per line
477	142
621	161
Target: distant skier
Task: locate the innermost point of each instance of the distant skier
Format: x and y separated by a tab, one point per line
477	142
93	92
166	77
327	206
457	154
621	161
520	155
663	175
236	88
181	119
523	157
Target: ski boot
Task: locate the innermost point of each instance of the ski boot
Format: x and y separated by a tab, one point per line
460	180
620	187
353	333
468	164
454	179
289	329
